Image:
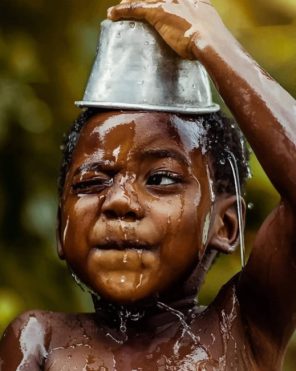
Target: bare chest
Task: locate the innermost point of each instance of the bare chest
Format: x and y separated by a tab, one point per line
173	351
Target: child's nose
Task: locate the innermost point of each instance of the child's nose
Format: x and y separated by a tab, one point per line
122	202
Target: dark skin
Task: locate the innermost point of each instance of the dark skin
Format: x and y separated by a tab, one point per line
249	324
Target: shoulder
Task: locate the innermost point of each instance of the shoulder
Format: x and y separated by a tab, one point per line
22	341
34	321
26	339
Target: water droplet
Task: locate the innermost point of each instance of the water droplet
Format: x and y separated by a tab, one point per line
222	161
132	24
250	206
123	329
140	281
249	175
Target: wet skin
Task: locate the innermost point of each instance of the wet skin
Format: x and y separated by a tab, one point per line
134	206
120	203
56	342
137	214
249	324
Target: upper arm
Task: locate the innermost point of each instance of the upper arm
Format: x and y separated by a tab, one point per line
267	288
22	344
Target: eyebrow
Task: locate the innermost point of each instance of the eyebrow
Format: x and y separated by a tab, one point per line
93	166
165	153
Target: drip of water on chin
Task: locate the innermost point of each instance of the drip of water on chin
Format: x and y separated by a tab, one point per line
233	164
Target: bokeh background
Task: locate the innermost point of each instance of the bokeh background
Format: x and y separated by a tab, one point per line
46	52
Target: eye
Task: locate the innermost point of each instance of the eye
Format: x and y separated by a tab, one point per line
163	179
93	185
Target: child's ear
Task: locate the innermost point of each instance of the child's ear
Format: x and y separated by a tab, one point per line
224	233
60	249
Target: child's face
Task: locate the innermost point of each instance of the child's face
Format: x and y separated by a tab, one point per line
135	204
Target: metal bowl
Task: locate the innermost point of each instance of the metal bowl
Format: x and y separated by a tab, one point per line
135	69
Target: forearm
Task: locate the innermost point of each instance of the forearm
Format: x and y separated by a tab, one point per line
265	112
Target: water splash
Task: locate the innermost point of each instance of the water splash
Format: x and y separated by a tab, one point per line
181	318
83	286
233	164
227	320
124	317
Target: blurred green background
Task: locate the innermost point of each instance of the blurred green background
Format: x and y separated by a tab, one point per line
46	51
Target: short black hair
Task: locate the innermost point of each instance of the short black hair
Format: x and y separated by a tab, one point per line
222	137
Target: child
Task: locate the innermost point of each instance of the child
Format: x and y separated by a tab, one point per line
139	224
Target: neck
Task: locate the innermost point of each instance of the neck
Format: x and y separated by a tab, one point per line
154	311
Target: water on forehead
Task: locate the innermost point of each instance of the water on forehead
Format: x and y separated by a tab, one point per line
152	127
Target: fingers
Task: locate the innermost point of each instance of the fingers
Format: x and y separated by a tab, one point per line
128	9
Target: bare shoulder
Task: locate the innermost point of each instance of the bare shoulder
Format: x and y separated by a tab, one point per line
22	343
27	340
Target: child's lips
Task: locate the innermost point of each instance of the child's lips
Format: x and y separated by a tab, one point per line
126	244
123	256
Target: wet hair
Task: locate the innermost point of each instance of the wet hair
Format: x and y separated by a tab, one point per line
222	138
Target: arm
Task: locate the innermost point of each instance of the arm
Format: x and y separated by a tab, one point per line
264	110
266	114
22	344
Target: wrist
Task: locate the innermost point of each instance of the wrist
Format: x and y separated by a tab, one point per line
212	47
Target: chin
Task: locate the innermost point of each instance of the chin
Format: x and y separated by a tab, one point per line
123	296
124	288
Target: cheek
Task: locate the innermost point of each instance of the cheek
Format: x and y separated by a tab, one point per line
77	218
185	226
179	219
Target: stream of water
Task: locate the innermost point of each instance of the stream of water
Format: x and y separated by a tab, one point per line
235	172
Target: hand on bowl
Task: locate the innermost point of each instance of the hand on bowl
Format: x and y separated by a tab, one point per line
183	24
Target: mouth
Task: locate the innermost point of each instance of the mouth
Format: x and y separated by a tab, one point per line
124	245
121	257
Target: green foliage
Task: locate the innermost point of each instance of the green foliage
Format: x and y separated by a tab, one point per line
46	51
